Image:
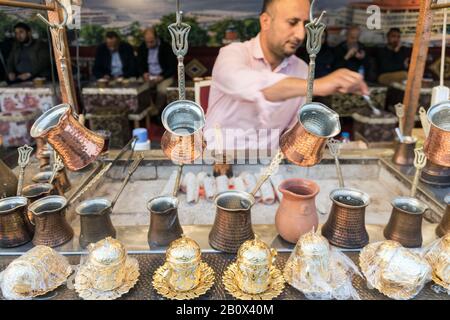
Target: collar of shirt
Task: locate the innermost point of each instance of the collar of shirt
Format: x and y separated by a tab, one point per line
258	54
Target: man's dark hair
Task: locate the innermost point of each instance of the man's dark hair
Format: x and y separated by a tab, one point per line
112	35
392	30
22	25
266	4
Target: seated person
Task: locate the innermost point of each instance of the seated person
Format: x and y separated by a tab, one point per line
114	59
393	59
29	58
351	54
157	63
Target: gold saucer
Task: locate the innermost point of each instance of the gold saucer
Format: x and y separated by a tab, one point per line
84	288
274	290
163	288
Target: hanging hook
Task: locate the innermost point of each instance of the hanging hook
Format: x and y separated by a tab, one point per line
56	25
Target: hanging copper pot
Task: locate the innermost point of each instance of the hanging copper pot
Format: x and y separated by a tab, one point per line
346	226
51	226
405	223
77	146
232	224
303	144
404	151
95	221
8	182
183	140
437	144
164	223
61	181
14	225
444	226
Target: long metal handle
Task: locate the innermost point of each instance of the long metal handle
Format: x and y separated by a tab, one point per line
335	146
24	159
132	169
424	121
270	170
400	112
420	160
177	181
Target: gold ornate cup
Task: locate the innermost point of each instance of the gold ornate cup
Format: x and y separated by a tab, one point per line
107	261
183	258
254	263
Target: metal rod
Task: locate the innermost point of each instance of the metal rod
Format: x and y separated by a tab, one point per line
132	169
27	5
177	181
438	6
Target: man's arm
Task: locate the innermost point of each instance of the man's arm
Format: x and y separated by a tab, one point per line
340	81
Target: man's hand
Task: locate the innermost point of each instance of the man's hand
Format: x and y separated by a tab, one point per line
351	53
24	76
11	76
340	81
360	55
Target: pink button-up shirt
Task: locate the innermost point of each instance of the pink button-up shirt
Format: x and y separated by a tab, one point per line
236	101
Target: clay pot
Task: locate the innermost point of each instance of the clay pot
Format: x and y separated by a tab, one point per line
297	213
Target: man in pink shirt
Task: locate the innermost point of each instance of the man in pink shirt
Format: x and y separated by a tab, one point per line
258	86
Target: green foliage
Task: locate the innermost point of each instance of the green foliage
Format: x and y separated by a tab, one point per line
92	34
246	29
197	36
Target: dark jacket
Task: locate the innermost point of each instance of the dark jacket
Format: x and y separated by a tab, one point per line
102	64
390	61
353	63
166	57
39	58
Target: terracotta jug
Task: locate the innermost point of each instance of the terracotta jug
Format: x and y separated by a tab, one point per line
297	213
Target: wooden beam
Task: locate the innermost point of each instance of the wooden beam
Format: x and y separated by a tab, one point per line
27	5
440	6
67	90
417	64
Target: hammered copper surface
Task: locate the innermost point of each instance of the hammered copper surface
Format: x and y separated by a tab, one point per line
437	144
15	228
77	146
404	153
183	149
230	230
345	227
404	227
444	226
61	181
435	175
149	263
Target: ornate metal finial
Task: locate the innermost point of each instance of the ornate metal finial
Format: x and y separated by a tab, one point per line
24	158
314	29
179	32
420	160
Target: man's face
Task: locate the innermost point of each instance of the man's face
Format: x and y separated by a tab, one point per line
394	39
285	26
353	37
150	39
112	43
22	35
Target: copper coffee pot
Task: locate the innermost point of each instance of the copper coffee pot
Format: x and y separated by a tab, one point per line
51	226
405	223
77	146
8	184
404	151
437	144
15	228
42	153
164	223
183	140
34	192
345	226
232	224
303	145
444	226
95	214
61	181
